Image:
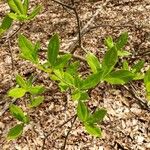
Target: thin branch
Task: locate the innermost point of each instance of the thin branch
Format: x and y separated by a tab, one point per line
73	8
7	37
63	4
6	106
140	101
59	126
65	141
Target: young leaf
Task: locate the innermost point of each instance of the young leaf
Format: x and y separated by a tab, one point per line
36	101
53	49
36	89
27	48
91	81
82	111
97	116
73	68
26	6
138	66
13	16
17	92
119	77
78	95
122	40
15	132
62	61
13	6
125	65
93	130
35	51
93	62
6	23
19	6
123	53
18	113
35	11
109	42
68	78
147	80
20	81
109	61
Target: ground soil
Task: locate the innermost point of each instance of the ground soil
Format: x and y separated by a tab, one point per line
127	124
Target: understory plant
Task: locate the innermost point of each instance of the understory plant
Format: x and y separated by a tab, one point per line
19	11
64	70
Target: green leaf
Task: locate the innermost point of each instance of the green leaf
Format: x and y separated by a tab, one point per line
82	111
35	11
18	113
6	23
91	81
63	86
109	42
36	89
20	81
97	116
119	77
19	6
73	68
36	101
123	53
78	95
26	47
138	66
15	132
93	62
13	6
13	16
35	51
122	40
138	76
26	6
28	50
53	49
62	61
16	92
93	130
125	65
109	61
147	81
68	78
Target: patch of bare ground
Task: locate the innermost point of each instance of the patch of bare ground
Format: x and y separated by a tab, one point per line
127	125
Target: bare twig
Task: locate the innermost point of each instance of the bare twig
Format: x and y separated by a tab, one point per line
65	141
59	126
140	101
6	106
73	8
63	4
72	45
7	37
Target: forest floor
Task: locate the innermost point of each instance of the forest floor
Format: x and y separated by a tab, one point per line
127	124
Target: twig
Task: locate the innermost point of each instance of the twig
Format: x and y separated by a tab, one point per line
6	106
59	126
65	141
72	45
6	38
73	8
78	24
140	101
63	4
